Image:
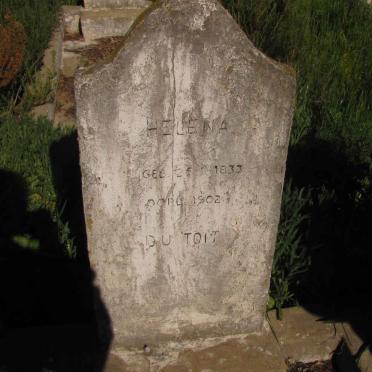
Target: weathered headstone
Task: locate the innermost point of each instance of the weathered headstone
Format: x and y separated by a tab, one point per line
183	139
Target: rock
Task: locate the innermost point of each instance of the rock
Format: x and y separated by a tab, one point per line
303	337
365	361
45	110
71	18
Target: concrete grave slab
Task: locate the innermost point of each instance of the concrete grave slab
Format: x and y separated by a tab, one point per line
303	337
115	3
183	140
96	24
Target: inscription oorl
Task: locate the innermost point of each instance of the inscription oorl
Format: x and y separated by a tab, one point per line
194	200
189	125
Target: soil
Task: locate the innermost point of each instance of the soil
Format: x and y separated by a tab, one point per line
72	37
65	97
319	366
102	49
66	89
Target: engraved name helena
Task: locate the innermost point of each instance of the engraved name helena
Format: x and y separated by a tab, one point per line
189	125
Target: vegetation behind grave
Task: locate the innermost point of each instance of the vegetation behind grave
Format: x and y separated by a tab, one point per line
38	18
329	44
324	232
25	142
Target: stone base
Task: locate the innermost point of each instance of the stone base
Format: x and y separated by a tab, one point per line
112	4
299	336
253	353
96	24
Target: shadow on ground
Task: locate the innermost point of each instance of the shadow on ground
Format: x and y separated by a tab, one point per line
46	313
47	319
339	236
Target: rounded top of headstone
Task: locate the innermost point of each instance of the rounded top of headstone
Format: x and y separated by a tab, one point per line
200	26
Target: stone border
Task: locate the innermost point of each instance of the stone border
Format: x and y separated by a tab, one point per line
51	64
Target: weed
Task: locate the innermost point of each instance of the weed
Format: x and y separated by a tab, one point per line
26	241
290	259
41	89
64	234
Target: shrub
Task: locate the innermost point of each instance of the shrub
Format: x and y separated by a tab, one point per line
12	48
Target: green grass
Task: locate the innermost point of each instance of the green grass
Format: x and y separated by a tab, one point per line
28	181
25	150
330	46
291	258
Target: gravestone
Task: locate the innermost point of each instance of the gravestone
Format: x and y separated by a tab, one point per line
183	140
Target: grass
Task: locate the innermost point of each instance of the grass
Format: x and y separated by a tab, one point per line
291	258
25	151
329	44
